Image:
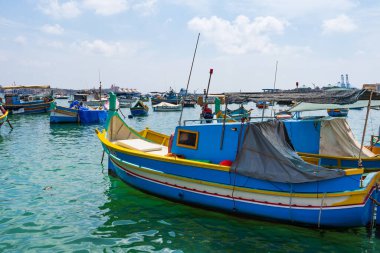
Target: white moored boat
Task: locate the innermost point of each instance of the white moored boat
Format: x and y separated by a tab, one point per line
166	107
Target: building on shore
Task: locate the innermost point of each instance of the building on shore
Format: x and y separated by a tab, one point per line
374	86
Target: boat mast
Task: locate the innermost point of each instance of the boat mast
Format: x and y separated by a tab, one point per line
360	164
274	86
208	85
100	90
188	80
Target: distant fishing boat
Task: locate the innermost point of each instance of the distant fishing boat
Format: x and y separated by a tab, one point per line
283	115
169	97
77	113
337	112
375	143
60	96
262	104
166	107
88	99
19	99
211	165
188	102
139	109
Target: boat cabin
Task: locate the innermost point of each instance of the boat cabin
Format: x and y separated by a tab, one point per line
212	143
81	97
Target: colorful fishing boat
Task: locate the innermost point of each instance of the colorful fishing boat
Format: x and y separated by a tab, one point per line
77	113
166	107
189	102
262	104
245	169
337	112
18	99
375	144
139	109
231	115
169	97
89	99
61	96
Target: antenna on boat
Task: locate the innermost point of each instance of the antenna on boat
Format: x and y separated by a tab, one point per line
274	87
100	90
360	164
188	80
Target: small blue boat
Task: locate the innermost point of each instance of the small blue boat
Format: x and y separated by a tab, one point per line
139	109
242	168
77	113
337	112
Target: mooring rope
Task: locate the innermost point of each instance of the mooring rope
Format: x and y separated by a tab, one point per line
320	210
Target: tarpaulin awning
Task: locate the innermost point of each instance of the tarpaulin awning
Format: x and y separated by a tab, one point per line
267	155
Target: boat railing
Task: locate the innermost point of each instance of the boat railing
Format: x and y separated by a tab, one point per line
228	120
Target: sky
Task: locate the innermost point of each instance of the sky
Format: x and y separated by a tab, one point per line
149	44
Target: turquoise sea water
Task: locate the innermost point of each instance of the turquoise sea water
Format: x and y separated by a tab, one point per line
55	196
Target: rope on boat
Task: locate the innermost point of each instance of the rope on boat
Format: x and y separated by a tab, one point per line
102	157
375	205
320	210
121	113
375	201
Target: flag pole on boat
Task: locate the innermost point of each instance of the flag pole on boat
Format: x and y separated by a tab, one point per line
100	91
274	88
188	80
360	164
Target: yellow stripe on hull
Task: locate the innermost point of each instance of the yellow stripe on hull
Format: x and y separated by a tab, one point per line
296	199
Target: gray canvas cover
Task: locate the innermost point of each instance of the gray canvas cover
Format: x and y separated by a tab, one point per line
267	155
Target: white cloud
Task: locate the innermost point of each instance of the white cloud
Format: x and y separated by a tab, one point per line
20	40
146	7
241	35
341	23
106	7
292	8
52	29
51	43
101	47
68	9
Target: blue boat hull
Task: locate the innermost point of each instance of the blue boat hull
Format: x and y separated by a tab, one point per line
63	114
130	169
138	112
28	107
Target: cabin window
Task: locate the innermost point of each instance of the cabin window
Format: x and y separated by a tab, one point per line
187	139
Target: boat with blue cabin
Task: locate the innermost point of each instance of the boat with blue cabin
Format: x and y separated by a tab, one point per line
22	99
243	168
